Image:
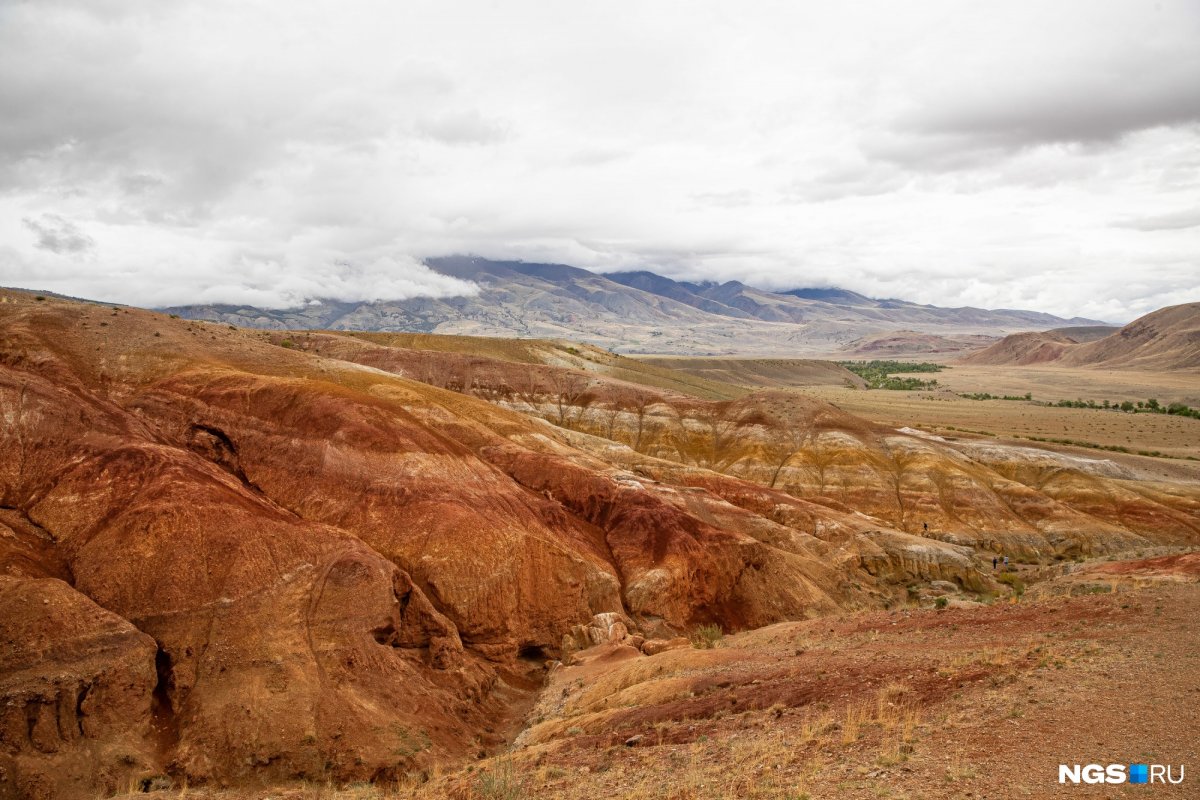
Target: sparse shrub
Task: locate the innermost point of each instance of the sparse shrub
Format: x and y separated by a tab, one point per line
409	743
500	783
288	343
959	770
1013	580
40	299
941	603
706	637
856	715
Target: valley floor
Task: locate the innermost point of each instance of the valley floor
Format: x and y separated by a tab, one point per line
946	414
1101	665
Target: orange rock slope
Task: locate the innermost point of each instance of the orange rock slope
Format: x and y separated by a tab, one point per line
224	559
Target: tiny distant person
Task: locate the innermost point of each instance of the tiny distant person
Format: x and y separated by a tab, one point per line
1006	562
995	561
925	525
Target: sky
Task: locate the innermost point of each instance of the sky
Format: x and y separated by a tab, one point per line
1040	155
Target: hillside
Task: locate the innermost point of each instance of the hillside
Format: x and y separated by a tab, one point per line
634	312
1022	349
234	558
773	373
1087	333
1167	339
901	344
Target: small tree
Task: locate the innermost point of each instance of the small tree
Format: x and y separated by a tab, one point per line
639	404
713	441
610	414
529	388
818	459
785	440
896	465
571	396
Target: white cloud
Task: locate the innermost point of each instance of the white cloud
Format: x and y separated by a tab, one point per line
1017	154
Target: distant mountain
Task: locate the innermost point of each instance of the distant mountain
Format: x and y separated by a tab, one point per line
637	312
911	343
736	299
838	296
1167	339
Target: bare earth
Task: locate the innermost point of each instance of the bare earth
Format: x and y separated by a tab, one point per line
971	702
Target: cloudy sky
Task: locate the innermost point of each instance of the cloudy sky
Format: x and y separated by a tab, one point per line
1041	155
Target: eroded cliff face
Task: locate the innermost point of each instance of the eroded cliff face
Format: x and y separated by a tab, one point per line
77	684
221	558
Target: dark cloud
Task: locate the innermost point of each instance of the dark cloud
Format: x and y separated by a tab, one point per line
462	127
966	133
1084	74
59	235
1178	220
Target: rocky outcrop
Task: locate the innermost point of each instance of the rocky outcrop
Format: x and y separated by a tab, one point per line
900	559
77	694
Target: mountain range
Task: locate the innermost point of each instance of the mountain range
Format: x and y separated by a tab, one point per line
643	312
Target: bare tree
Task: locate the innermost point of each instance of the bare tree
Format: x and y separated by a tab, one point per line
713	440
529	388
896	464
569	391
610	414
785	440
467	378
434	371
818	459
639	404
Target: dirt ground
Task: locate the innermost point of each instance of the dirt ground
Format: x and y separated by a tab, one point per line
971	701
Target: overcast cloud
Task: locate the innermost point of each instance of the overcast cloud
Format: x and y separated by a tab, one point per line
1017	154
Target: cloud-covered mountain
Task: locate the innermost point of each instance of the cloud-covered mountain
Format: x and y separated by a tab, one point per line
636	312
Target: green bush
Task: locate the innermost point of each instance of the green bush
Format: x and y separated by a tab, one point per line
881	374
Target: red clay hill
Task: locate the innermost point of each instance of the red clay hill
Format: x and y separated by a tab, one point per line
1167	339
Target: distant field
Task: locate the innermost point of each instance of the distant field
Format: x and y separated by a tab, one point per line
937	412
1070	383
941	410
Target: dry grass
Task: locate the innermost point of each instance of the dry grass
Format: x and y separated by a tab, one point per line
857	715
950	415
959	769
